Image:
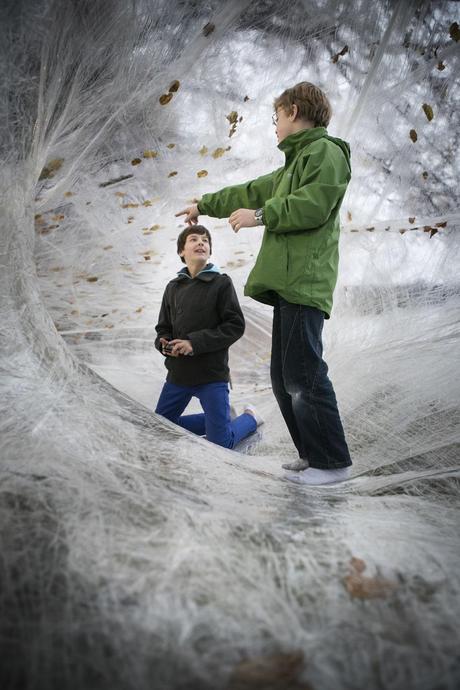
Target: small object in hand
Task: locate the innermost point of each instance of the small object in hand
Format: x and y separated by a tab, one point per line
168	348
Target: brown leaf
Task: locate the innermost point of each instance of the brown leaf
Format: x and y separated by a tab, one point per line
165	98
170	146
413	135
433	232
172	173
67	194
174	86
202	173
428	110
232	117
441	66
441	225
150	154
138	310
425	175
208	29
358	564
341	53
246	98
109	246
203	151
349	216
93	279
50	168
412	219
129	205
275	672
371	229
454	31
361	587
217	153
136	161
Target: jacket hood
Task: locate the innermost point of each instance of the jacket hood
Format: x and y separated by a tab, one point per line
293	143
207	273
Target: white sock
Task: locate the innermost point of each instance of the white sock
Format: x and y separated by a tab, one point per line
316	477
250	409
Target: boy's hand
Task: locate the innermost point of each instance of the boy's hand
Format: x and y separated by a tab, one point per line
166	348
242	218
180	347
191	214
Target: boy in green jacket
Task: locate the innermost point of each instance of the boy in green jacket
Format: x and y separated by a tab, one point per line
296	271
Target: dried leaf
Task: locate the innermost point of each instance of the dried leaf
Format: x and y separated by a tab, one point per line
109	246
50	168
129	205
246	98
202	173
136	161
203	151
172	173
341	53
413	135
115	180
174	86
428	110
138	310
402	231
93	279
371	229
170	146
454	31
208	29
441	66
361	587
441	225
433	232
277	672
150	154
349	216
412	219
218	153
147	257
425	175
147	202
232	130
232	117
358	564
67	194
165	98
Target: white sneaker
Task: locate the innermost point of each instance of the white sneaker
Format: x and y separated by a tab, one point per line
315	477
296	466
250	409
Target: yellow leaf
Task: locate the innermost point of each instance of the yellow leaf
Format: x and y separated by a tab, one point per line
174	86
203	151
136	161
428	110
150	154
202	173
413	135
218	153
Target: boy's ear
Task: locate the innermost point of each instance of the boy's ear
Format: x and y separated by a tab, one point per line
294	112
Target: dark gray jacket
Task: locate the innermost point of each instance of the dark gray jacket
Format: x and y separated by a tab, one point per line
206	311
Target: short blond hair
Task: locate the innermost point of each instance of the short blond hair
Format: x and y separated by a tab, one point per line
313	104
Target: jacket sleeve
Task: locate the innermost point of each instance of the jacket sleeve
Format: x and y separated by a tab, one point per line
321	189
230	329
164	325
252	194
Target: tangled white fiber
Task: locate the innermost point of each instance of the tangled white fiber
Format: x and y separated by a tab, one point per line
134	555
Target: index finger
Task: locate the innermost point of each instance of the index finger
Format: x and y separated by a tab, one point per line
181	213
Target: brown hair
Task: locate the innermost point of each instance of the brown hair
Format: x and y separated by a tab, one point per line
192	230
313	104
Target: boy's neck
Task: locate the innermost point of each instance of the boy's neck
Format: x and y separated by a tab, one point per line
194	267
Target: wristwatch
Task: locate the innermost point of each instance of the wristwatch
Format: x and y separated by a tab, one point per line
259	216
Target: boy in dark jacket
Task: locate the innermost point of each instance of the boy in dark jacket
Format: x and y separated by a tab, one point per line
200	317
296	270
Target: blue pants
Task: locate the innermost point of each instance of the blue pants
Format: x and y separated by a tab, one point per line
214	422
302	387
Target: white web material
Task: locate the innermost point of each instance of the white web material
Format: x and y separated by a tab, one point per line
134	555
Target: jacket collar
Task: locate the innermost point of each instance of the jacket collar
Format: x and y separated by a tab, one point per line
293	143
207	274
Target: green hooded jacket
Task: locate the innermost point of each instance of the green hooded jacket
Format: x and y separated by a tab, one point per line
299	255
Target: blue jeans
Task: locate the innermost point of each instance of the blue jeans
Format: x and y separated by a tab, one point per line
302	387
214	422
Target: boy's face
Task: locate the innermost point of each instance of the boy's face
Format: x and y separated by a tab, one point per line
284	124
196	249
